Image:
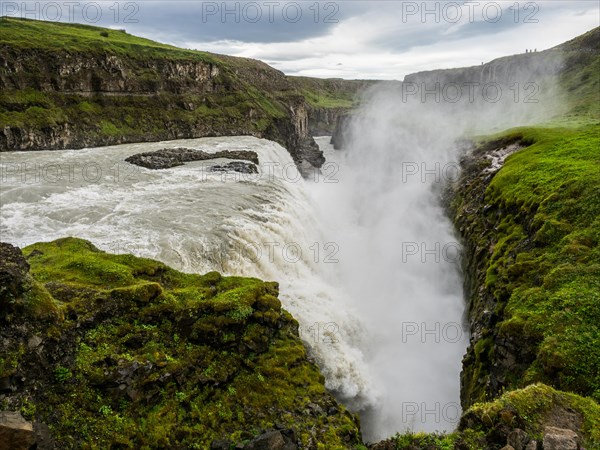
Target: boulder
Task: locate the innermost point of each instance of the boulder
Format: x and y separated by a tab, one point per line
235	166
15	432
560	439
274	440
518	439
14	276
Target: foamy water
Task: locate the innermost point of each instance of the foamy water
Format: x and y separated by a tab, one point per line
196	221
326	240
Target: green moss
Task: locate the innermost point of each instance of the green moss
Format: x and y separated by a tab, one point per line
541	266
531	407
148	357
9	361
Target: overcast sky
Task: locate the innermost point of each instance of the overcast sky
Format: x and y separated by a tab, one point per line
346	39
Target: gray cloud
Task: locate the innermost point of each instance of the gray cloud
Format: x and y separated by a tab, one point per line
342	38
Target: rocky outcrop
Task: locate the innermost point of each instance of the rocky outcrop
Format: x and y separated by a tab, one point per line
104	73
341	134
322	121
172	157
560	439
14	277
235	166
15	432
484	373
282	439
113	349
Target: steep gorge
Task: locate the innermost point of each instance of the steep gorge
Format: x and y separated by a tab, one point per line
526	210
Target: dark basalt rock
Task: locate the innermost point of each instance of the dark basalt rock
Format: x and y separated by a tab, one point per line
341	133
15	432
284	439
172	157
14	271
235	166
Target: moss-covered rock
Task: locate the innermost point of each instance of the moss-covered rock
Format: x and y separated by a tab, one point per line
128	353
524	419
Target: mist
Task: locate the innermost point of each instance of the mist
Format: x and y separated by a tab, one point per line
399	263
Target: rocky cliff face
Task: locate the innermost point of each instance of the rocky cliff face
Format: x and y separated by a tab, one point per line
322	121
506	70
492	357
329	99
55	98
103	73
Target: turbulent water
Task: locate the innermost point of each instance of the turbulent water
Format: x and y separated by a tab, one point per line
382	319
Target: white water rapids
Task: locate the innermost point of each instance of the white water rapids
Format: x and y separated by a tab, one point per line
379	316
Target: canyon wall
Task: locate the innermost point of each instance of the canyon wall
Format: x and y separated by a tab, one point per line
104	93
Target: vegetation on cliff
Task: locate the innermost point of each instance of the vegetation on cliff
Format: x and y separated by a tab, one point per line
124	352
328	100
332	92
534	254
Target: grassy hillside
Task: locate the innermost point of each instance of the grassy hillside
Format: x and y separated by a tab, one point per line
580	78
332	92
56	36
67	85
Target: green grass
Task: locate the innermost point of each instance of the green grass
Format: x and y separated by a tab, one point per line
54	36
143	356
320	99
330	93
547	257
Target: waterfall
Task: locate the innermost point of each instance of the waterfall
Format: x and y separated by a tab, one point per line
399	261
261	225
